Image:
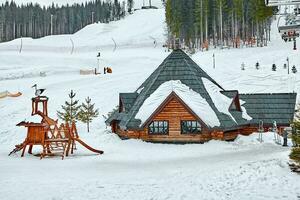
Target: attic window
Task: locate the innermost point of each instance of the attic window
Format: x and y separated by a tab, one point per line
190	127
158	128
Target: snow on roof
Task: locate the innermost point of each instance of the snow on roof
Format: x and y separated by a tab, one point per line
244	111
191	98
221	101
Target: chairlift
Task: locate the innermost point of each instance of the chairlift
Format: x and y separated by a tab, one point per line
281	2
291	29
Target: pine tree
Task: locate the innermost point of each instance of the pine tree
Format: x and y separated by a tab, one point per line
130	4
88	112
257	65
294	70
295	153
274	67
70	111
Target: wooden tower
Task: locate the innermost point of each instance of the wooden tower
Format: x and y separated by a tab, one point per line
37	102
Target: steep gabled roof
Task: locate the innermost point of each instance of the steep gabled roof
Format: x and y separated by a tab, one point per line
177	66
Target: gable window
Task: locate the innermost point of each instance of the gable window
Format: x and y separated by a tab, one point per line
159	128
190	127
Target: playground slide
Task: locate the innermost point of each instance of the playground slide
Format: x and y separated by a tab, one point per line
88	147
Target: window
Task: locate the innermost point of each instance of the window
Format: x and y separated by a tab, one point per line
159	127
190	127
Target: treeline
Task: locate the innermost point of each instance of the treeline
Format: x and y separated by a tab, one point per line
199	24
32	20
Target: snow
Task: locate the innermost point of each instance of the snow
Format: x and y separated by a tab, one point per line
140	90
244	169
221	101
191	98
245	114
244	111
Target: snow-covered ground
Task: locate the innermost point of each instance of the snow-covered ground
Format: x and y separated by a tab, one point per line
132	169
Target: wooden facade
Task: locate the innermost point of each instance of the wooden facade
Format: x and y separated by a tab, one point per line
174	110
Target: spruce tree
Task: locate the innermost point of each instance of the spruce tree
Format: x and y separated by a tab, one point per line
88	112
257	65
70	111
274	67
130	4
294	70
295	153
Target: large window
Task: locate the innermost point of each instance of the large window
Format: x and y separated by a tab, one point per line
190	127
159	127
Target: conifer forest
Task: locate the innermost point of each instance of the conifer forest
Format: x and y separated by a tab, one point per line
33	20
202	23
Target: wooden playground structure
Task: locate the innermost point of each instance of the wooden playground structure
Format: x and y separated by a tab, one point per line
53	138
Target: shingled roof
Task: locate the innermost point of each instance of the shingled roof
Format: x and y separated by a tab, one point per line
270	107
179	66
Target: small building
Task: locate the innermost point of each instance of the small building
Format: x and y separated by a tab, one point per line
181	103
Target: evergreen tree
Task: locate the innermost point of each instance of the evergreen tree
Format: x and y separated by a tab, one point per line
130	4
274	67
70	111
87	112
294	69
295	153
257	65
32	20
224	22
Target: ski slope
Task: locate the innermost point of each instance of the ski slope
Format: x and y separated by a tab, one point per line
132	169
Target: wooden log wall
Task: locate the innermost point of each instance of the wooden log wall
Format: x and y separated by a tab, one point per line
174	112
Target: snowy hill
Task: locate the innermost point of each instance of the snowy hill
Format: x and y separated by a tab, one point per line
244	169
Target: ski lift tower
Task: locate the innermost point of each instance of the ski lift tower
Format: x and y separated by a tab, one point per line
290	30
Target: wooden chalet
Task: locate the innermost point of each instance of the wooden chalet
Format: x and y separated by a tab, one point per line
181	103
